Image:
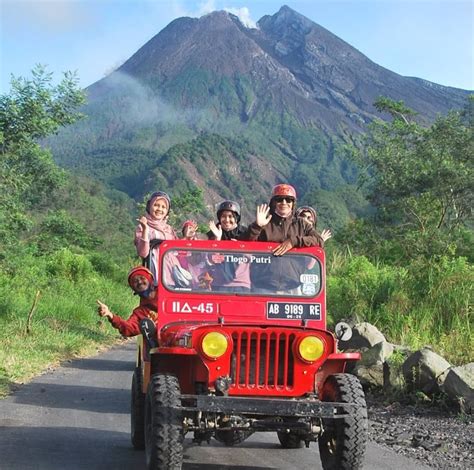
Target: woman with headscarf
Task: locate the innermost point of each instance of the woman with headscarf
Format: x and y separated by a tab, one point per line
309	214
153	226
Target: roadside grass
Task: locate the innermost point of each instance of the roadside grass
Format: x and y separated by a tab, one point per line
424	303
64	324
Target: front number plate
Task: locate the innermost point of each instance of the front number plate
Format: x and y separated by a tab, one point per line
293	311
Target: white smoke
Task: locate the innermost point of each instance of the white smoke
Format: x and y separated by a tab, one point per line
208	6
244	16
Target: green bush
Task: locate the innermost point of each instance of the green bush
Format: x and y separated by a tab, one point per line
360	288
70	265
426	302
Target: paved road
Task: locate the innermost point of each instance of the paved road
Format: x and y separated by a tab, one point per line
77	417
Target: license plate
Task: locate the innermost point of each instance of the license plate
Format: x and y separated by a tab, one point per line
293	311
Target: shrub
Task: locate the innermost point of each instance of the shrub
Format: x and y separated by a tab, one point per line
70	265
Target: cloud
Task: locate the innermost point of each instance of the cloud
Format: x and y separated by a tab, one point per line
244	16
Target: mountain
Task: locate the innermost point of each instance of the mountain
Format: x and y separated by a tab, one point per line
210	103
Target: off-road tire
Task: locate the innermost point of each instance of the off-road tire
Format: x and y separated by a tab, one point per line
163	425
342	444
289	440
232	438
137	411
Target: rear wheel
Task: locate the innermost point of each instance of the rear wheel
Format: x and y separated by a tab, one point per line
342	444
137	411
163	424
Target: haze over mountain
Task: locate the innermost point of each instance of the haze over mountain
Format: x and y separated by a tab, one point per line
263	105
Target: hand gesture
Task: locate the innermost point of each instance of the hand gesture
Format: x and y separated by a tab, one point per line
216	230
326	234
103	310
263	215
283	248
143	222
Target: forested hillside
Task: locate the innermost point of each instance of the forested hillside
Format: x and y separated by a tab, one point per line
208	100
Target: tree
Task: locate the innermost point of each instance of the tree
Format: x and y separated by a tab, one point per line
420	179
32	110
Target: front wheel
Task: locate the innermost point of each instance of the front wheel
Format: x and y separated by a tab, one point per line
343	441
163	424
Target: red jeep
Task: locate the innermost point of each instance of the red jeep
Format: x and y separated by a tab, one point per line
241	346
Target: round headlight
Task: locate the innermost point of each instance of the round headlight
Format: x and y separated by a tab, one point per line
311	348
214	344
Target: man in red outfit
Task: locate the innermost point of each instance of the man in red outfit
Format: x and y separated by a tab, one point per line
140	279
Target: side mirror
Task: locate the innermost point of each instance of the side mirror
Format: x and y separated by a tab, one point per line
148	330
343	331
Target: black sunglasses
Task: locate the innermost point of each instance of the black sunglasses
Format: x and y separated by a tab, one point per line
284	199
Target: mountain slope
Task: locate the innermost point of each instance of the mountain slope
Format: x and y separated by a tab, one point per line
290	91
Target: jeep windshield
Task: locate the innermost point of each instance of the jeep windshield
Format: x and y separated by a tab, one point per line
235	272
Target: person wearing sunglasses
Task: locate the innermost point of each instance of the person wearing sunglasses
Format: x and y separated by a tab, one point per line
276	222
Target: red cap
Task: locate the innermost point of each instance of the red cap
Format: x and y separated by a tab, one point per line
140	271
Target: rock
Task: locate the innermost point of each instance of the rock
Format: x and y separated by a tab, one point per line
422	369
393	375
369	376
458	383
364	335
377	354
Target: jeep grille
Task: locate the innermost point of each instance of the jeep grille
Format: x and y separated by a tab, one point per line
262	359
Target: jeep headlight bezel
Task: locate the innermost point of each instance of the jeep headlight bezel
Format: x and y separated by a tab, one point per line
214	344
311	348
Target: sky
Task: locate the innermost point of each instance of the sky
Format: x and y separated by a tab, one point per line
430	39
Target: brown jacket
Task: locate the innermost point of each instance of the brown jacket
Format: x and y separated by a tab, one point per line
278	230
285	271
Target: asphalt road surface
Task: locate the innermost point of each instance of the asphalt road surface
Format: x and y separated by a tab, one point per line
77	417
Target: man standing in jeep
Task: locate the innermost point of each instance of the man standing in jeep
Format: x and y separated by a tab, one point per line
276	222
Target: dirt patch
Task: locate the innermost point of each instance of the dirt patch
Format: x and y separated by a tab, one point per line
439	437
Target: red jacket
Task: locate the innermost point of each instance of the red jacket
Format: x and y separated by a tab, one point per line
131	326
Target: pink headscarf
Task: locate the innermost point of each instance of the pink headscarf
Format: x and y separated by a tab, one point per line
160	225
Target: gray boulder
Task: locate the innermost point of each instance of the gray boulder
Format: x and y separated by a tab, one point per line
458	383
364	335
370	376
422	369
377	354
